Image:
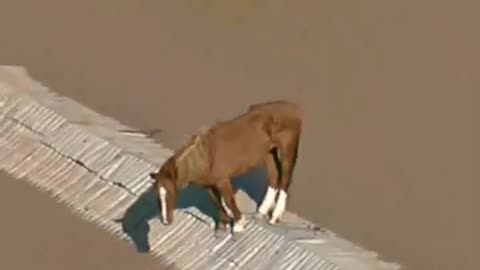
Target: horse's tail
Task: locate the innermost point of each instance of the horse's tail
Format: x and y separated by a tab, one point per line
295	150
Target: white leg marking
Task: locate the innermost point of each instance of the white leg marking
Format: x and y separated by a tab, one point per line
239	226
280	207
163	199
228	210
268	201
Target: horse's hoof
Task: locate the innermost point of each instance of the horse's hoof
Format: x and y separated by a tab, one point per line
273	222
237	235
260	217
220	233
221	230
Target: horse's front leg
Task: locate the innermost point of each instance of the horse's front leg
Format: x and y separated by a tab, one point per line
223	217
226	190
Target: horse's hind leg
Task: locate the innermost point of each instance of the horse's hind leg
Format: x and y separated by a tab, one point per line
288	148
273	172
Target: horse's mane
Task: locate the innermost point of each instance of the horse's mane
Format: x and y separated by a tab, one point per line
191	145
193	158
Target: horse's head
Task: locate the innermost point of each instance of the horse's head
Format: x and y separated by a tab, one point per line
166	190
176	173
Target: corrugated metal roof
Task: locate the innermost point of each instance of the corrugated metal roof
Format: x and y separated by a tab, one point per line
103	177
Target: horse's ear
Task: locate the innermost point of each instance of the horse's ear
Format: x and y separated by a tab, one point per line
153	175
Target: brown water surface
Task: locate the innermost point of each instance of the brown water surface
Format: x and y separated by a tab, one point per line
388	87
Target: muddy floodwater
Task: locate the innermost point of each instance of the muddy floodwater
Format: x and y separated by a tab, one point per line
388	89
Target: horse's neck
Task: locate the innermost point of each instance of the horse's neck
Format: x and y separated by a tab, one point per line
194	164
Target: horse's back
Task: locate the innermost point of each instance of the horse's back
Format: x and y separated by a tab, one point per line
284	112
237	146
277	105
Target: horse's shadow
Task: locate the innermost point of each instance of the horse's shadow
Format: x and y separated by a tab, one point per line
136	218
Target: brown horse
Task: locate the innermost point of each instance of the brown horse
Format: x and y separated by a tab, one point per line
267	134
